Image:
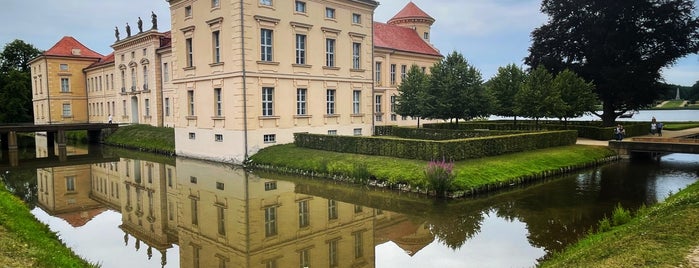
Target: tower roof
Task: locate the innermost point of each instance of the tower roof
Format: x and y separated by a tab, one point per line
401	39
411	12
69	47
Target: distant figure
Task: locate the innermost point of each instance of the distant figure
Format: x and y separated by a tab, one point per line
116	33
110	118
140	25
128	30
653	126
659	127
619	132
154	20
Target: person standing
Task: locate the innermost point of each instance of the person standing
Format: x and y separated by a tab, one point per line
619	132
659	128
109	118
653	126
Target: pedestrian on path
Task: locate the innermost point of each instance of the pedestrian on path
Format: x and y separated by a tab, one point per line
653	126
659	127
619	132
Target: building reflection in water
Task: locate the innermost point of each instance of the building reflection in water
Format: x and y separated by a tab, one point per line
222	216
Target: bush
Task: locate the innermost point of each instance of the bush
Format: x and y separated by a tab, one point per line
620	216
440	176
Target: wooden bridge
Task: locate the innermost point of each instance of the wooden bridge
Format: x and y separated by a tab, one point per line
676	142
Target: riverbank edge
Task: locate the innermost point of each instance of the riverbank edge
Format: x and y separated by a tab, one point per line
662	235
27	242
489	186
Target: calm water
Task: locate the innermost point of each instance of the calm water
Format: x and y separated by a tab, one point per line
123	209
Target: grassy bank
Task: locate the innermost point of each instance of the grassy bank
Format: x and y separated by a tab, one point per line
26	242
661	236
144	138
470	174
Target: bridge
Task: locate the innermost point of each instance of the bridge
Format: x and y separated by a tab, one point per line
55	135
673	142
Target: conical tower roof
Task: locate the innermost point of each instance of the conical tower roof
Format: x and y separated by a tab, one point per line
411	13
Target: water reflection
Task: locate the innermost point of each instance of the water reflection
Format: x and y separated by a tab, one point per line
151	211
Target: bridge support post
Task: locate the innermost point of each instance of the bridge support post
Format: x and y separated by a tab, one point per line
12	140
62	150
93	136
51	143
14	157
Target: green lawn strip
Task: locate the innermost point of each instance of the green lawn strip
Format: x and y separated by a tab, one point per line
680	126
470	173
144	137
673	104
26	242
661	236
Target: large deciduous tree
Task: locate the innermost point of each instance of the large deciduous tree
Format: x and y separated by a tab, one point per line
15	82
620	46
456	90
504	86
412	94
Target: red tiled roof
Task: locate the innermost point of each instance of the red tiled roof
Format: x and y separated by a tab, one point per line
104	60
66	47
166	40
411	11
402	39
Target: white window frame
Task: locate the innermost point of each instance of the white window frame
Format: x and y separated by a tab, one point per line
267	101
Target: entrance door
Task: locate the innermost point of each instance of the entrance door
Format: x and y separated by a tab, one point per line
134	110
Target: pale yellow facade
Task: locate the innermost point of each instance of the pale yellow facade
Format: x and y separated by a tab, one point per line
59	94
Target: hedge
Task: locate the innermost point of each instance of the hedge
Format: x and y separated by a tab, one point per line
458	149
439	134
591	130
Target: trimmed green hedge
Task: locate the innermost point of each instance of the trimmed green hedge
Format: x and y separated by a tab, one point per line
429	150
439	134
591	130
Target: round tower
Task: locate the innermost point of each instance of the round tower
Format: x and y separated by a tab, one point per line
413	17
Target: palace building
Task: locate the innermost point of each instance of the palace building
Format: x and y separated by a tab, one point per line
232	77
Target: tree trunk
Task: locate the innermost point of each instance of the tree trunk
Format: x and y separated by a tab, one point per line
608	115
418	122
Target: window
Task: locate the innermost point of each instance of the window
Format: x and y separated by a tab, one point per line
332	209
166	72
218	137
269	138
356	18
123	106
329	52
221	218
403	72
145	78
304	214
194	206
147	106
266	45
330	107
190	52
123	80
266	2
378	104
270	185
356	55
220	185
393	74
329	13
167	106
190	100
70	183
358	245
270	221
215	3
301	101
304	258
145	51
215	42
63	67
133	79
300	7
188	11
393	104
300	49
65	85
426	36
267	101
218	102
67	110
356	97
332	132
378	72
333	257
192	135
423	69
193	179
357	131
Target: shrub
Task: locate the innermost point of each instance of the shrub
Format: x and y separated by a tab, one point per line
440	176
620	215
604	225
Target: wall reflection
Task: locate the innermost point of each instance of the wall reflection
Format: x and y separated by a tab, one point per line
222	216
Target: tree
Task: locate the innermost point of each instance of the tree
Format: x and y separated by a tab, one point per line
412	94
621	46
538	98
577	95
456	90
15	82
504	86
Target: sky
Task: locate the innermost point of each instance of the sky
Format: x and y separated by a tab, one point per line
489	33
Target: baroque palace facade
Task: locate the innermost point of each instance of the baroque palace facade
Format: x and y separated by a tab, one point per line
233	77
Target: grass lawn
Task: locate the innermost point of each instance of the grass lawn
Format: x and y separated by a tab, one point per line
471	173
145	137
680	126
672	104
